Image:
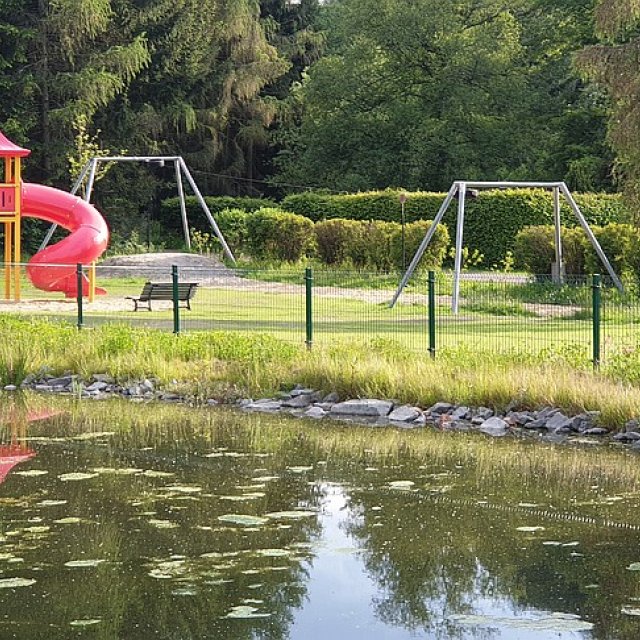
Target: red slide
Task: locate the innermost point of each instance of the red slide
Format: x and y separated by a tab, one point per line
54	268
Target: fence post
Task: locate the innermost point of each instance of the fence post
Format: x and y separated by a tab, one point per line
79	283
176	299
596	287
432	313
308	282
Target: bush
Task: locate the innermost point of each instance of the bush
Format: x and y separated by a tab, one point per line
170	211
491	223
414	234
233	225
621	244
534	249
377	245
336	241
277	235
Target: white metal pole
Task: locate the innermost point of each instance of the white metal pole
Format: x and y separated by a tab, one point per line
91	180
183	206
462	191
425	242
587	229
558	233
74	189
205	208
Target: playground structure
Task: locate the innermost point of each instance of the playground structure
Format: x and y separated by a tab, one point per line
88	172
54	268
459	190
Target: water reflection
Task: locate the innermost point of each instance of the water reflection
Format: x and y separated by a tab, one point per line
139	522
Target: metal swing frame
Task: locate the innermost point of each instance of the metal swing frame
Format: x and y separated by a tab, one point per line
88	171
459	189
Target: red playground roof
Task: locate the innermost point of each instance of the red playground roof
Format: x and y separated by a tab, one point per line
10	150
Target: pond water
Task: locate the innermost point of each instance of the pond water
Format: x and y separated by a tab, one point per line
184	524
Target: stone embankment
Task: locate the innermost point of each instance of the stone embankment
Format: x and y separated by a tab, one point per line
548	423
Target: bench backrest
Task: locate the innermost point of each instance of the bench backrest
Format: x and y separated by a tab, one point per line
164	291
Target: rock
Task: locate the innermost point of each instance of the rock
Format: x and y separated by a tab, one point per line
405	413
315	412
10	387
146	386
440	408
420	421
538	423
632	425
627	436
103	377
96	386
478	420
494	427
559	423
134	390
547	412
484	413
332	398
212	403
64	381
595	431
521	418
265	404
301	392
363	407
298	402
461	413
43	387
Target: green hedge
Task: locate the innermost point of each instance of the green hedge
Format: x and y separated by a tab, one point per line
535	250
170	210
492	220
273	234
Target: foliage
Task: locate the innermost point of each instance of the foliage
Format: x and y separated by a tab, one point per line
337	239
613	64
279	235
492	219
535	249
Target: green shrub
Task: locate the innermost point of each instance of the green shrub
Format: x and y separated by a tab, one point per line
414	234
277	235
534	249
233	224
337	239
621	244
170	218
492	219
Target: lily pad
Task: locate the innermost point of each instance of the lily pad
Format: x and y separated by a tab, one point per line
402	484
152	473
246	611
69	520
290	515
245	496
85	622
273	553
299	469
11	583
529	529
183	488
163	524
555	622
242	519
634	566
83	564
31	473
630	611
125	471
50	503
79	475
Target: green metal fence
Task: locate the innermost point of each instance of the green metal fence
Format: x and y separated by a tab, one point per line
499	314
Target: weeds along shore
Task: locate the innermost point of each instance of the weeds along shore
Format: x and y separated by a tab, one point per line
230	365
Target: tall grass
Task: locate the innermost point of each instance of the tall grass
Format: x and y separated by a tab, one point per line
229	365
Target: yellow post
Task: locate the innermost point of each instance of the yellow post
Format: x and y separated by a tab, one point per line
7	260
92	281
17	236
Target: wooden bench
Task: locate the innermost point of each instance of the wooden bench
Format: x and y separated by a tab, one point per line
164	291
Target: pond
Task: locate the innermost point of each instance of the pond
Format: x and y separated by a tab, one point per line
144	521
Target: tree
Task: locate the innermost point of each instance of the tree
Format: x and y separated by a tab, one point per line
613	64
